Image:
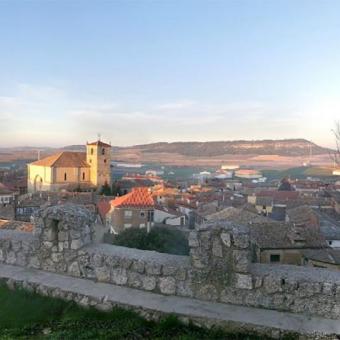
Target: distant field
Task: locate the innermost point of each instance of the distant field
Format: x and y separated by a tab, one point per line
298	172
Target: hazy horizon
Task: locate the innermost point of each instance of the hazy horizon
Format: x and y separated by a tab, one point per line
144	72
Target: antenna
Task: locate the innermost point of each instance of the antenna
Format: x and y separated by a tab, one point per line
99	135
39	154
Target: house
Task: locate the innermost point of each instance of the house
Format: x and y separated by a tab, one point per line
303	216
67	170
284	243
322	258
335	199
6	195
133	210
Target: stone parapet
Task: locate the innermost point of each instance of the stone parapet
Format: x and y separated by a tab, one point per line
218	269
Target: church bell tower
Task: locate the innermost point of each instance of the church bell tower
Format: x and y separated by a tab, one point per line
98	156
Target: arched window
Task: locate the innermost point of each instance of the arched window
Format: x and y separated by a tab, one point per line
91	151
83	176
65	176
104	160
103	151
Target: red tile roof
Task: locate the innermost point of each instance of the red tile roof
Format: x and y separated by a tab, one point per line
279	195
137	198
66	159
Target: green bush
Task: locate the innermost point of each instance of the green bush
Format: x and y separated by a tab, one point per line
161	239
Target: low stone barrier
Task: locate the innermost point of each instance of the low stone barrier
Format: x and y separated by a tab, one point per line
219	267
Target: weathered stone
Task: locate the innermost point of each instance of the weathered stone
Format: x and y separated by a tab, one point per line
272	284
76	244
167	285
217	248
73	269
57	257
243	281
207	292
138	266
134	279
11	257
226	239
149	282
153	268
102	274
241	260
241	240
119	276
193	240
184	289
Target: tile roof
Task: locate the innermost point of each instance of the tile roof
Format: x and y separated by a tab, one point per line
65	159
16	225
327	255
100	143
4	190
137	198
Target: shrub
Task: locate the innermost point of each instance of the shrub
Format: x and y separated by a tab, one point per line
161	239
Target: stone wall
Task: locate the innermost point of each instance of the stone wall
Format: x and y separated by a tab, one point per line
219	267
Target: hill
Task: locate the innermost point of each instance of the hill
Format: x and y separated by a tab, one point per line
285	147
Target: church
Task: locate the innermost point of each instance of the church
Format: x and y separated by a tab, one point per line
72	170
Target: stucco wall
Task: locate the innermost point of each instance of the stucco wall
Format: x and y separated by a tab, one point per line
219	267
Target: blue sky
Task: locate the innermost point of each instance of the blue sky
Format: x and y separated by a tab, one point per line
147	71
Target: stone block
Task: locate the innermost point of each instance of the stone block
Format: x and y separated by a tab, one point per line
193	240
167	285
241	259
119	276
169	270
272	284
243	281
73	269
134	279
184	289
153	268
76	244
149	282
226	239
206	292
97	260
11	257
138	266
102	274
217	248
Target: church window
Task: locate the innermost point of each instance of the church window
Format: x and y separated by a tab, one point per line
83	176
103	151
91	151
104	160
65	176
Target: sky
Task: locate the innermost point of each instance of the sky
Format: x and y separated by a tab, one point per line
143	71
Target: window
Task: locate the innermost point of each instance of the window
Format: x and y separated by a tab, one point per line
65	176
91	151
274	258
127	225
83	176
150	215
142	225
103	151
104	160
142	214
128	213
90	160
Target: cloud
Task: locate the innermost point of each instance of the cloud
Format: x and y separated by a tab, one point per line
47	115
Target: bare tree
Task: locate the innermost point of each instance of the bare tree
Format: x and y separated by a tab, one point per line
336	154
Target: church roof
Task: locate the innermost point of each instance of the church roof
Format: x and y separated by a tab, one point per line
137	198
65	159
100	143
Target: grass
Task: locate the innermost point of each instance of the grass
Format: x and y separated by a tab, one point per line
25	315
